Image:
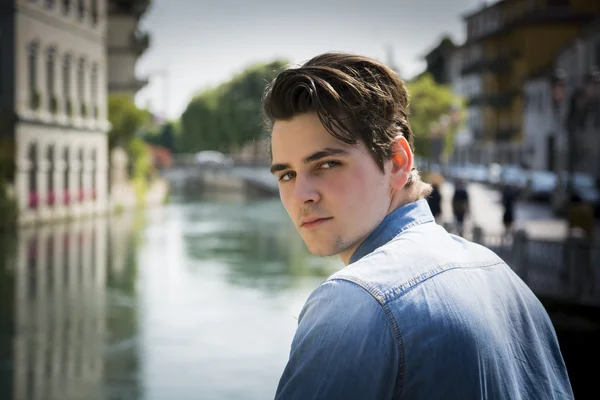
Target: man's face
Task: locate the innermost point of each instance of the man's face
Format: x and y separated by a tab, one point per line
334	192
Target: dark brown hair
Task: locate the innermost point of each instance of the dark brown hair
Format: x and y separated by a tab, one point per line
356	99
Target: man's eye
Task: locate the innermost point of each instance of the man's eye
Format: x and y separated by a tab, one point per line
329	164
286	177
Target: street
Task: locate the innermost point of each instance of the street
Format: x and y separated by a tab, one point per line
486	211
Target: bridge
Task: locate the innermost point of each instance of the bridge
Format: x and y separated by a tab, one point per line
185	173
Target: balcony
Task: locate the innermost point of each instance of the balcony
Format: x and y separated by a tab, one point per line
500	65
474	101
502	99
140	42
135	8
473	67
531	16
132	86
506	134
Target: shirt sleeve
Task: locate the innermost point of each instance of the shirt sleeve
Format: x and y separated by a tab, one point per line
343	348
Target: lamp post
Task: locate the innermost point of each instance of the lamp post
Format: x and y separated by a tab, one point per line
164	74
558	84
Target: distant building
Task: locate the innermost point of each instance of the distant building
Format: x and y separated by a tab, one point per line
545	120
438	60
126	43
450	65
541	123
53	121
471	79
517	39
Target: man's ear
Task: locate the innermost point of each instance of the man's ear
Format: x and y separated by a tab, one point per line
402	162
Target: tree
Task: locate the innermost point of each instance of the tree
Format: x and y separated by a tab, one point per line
225	117
126	119
164	136
429	103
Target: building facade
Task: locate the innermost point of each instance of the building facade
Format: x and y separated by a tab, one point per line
126	43
438	61
546	137
518	38
53	107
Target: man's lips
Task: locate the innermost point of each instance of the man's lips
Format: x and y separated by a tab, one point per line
312	223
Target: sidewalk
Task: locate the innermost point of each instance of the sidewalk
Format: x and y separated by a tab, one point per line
486	212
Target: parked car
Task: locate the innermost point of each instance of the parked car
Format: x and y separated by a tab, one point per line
541	185
477	173
508	174
211	158
585	186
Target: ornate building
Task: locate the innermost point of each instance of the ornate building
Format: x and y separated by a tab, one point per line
53	117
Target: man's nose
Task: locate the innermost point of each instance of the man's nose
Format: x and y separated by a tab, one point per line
306	190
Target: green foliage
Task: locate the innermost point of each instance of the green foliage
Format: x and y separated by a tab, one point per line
165	136
8	207
83	110
53	105
35	100
126	120
140	168
69	108
8	204
429	101
141	158
225	117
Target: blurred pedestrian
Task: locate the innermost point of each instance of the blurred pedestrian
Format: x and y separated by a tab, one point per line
435	198
460	205
435	201
580	216
509	199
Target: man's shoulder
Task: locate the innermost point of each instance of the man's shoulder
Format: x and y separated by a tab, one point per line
413	258
338	303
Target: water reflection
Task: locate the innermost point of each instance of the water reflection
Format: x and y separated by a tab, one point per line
196	300
255	242
54	310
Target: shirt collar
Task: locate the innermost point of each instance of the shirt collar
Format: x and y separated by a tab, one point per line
402	218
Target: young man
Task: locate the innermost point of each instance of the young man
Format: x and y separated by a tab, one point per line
416	313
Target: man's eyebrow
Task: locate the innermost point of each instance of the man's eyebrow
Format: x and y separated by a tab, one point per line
279	167
328	151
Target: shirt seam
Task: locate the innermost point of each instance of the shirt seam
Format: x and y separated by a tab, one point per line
425	276
377	295
417	221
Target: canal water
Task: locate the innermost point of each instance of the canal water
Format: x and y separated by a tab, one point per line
195	300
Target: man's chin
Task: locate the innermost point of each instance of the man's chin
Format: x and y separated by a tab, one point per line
322	249
323	252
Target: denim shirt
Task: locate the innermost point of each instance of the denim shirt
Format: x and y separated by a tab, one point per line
423	314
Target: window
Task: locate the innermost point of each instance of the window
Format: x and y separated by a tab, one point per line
66	7
81	87
80	9
94	11
50	79
94	90
66	75
558	3
34	100
49	3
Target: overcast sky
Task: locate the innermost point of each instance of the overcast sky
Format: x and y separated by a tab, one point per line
203	42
